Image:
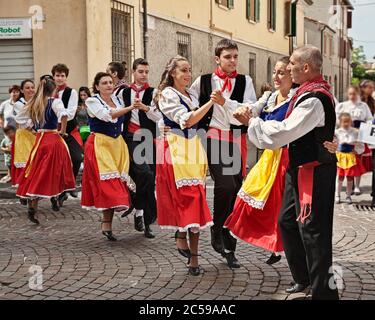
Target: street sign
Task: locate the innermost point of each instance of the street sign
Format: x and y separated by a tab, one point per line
15	28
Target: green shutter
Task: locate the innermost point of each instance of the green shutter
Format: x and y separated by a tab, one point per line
293	19
248	9
273	15
218	1
257	10
230	4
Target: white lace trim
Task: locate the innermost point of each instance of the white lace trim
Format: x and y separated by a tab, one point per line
190	226
189	182
120	209
20	165
251	201
124	177
39	196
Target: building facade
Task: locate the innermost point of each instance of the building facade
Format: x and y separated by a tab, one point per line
326	26
87	34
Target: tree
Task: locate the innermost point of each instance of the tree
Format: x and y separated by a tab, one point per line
359	71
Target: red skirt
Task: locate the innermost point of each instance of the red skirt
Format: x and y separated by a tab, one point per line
356	171
182	208
49	172
101	194
366	159
260	227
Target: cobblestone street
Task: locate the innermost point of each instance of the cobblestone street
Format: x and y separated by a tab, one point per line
78	263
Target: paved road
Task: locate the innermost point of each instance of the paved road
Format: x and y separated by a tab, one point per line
77	263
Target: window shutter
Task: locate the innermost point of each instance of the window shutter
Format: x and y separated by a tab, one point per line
257	10
230	4
274	15
293	19
248	9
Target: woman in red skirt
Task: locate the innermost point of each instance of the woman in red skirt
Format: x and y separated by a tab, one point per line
182	162
106	181
258	204
49	153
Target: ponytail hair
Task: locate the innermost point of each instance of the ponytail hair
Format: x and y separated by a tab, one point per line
166	78
36	106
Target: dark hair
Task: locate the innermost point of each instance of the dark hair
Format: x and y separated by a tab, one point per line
225	44
369	100
265	87
97	79
85	89
23	83
140	61
7	129
14	88
119	67
60	68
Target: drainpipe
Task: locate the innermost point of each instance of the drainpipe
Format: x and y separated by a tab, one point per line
145	29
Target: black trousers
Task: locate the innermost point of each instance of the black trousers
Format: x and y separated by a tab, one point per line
308	246
76	153
373	175
225	170
143	175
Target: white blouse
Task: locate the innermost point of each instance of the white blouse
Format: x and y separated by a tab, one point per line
359	111
98	108
170	105
72	104
350	136
23	117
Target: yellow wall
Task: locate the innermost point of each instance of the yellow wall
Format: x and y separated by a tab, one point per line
232	23
62	38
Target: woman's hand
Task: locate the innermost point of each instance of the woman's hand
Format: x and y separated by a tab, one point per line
243	114
331	146
217	97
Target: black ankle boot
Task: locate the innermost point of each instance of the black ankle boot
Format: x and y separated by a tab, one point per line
31	215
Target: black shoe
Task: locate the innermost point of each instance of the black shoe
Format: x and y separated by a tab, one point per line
296	288
373	203
74	194
109	235
232	260
55	205
31	215
148	233
62	198
194	271
127	212
138	224
184	252
23	202
217	241
273	259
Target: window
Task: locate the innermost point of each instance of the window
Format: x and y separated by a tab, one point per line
252	66
272	15
123	46
226	3
290	29
269	71
184	45
253	10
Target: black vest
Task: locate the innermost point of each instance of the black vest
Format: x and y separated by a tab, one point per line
71	125
310	147
205	94
144	121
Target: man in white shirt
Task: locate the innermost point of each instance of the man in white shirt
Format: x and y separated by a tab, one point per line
306	217
8	109
230	90
60	73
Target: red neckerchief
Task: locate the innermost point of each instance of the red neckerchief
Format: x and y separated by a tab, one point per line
138	90
59	88
227	79
306	171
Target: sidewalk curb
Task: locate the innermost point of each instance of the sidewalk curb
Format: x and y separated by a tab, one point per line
8	193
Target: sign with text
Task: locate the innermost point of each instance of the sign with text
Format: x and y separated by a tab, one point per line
15	28
367	133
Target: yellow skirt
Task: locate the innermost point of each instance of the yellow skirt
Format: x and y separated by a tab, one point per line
24	143
346	160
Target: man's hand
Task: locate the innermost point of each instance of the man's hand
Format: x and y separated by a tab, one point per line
331	146
217	97
243	114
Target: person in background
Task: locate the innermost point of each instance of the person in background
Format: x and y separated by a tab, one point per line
349	164
6	143
359	112
117	70
8	109
82	117
264	88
